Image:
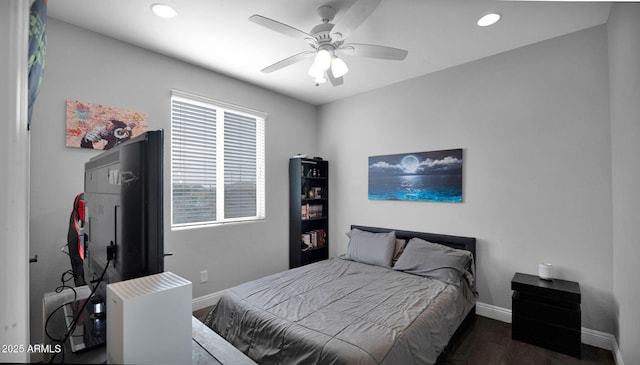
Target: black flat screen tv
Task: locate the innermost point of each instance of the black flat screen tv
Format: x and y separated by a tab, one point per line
124	211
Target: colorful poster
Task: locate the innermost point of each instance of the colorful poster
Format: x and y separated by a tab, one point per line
102	127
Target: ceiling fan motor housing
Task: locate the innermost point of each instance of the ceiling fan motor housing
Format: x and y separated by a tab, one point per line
327	13
322	33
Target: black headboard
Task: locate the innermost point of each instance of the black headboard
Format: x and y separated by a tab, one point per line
459	242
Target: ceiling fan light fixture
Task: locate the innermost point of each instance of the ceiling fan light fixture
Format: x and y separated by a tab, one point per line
163	10
338	67
322	60
489	19
316	72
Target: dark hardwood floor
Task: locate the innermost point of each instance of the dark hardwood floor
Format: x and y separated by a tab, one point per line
201	313
487	341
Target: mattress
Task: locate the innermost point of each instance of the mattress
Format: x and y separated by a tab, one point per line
341	312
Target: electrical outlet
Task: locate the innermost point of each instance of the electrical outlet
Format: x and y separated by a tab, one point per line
204	276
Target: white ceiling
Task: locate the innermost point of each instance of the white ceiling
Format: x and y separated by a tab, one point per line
438	34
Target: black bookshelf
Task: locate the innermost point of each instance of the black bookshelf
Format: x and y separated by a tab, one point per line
308	211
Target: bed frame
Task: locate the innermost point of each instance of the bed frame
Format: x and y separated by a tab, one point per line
458	242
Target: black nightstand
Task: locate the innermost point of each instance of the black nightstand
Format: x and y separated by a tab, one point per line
547	313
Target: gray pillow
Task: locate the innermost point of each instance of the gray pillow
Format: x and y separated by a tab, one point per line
397	251
371	248
434	261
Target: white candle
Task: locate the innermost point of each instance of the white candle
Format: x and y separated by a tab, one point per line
545	271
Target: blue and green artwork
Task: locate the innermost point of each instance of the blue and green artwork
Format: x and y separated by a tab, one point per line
434	176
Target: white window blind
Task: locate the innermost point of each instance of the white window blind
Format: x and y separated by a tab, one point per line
217	162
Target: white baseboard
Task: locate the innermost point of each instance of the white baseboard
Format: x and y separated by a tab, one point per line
588	336
598	339
617	355
206	300
493	312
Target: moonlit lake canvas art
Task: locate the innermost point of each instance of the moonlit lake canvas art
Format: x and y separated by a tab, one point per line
422	176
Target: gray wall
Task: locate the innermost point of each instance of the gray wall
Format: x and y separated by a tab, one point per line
89	67
534	126
624	59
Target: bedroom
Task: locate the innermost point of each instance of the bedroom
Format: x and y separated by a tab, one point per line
546	165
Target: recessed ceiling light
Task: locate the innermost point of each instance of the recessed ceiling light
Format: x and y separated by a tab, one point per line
489	19
163	11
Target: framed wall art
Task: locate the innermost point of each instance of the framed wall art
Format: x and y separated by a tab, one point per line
434	176
101	127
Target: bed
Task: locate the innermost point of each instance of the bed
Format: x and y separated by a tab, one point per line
358	308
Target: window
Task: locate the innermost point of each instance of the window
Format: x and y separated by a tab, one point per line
217	162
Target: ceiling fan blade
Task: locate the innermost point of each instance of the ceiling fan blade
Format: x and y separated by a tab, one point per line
335	81
281	27
288	61
374	51
354	16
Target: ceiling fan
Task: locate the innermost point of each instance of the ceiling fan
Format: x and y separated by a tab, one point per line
327	40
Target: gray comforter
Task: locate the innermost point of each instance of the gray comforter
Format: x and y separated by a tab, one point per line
341	312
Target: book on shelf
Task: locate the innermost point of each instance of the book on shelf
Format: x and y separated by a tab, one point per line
311	211
313	239
320	237
315	210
